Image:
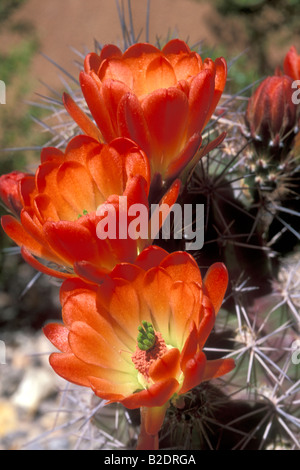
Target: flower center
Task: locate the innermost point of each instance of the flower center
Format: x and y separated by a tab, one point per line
84	212
146	336
150	347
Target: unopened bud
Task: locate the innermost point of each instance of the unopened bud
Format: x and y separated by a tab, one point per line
271	113
9	190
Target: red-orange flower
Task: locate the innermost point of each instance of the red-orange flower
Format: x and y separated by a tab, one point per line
161	99
59	218
163	296
291	64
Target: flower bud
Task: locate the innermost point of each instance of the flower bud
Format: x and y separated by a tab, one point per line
9	190
271	113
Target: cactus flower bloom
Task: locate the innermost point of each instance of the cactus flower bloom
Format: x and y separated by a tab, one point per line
271	113
138	338
59	218
161	99
291	64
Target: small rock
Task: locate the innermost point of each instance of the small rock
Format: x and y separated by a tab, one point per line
8	418
36	385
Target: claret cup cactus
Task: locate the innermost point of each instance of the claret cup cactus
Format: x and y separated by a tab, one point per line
183	349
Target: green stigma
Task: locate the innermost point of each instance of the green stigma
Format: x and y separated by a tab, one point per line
146	337
84	212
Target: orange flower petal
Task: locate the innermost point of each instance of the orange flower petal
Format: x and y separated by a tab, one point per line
80	147
41	267
150	257
109	250
90	272
137	164
51	154
81	306
139	49
45	176
76	187
190	346
138	57
115	69
23	192
221	75
185	308
108	51
72	241
215	284
159	74
124	308
175	46
33	226
27	190
193	372
75	286
156	395
97	106
136	192
92	348
207	321
220	82
107	170
81	119
187	65
46	182
58	336
181	266
200	98
21	237
156	287
112	93
132	122
217	368
166	112
92	62
45	208
71	368
177	165
165	367
126	271
112	391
